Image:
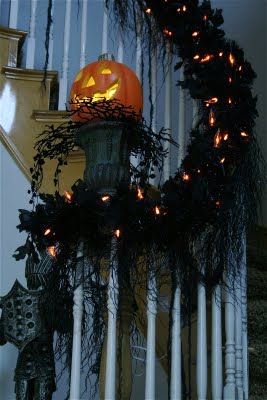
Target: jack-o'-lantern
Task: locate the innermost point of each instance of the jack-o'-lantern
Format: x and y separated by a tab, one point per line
105	79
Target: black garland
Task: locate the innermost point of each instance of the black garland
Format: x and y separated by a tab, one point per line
201	214
58	142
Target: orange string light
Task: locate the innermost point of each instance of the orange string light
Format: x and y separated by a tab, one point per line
217	139
226	136
231	59
117	233
148	11
196	57
139	194
195	34
52	251
185	177
221	54
157	210
167	32
47	231
212	118
244	134
222	160
105	198
207	58
213	100
68	196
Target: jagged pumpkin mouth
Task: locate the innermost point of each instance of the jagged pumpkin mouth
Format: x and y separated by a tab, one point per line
108	94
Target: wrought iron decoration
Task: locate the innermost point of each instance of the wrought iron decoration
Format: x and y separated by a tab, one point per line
24	324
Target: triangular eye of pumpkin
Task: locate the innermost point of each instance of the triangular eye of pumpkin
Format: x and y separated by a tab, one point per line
78	76
106	71
88	82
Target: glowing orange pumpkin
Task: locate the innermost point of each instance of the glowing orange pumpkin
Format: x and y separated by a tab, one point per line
109	80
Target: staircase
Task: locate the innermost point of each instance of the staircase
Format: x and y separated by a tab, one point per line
25	104
26	107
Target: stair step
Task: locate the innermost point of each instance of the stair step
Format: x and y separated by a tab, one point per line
14	40
50	116
29	74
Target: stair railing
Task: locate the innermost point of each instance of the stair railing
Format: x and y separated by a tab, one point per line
228	383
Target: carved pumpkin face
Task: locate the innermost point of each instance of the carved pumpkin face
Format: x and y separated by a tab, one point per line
109	80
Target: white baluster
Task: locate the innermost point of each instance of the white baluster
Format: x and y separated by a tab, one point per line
120	49
13	14
110	383
83	33
216	364
151	339
154	88
138	68
176	371
105	31
229	391
238	339
154	94
168	111
194	113
181	121
77	330
51	39
244	321
63	84
31	37
201	344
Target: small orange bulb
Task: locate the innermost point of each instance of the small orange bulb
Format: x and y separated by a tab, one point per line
212	118
184	8
222	160
213	100
167	32
105	198
139	194
197	57
117	233
47	231
221	54
226	136
240	68
229	100
230	79
207	58
178	10
217	139
231	59
68	196
148	11
52	251
205	18
157	210
244	134
195	34
185	177
218	204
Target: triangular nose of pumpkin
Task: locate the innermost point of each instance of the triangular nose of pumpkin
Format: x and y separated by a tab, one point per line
88	82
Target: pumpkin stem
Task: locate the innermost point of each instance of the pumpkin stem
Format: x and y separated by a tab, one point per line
106	56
